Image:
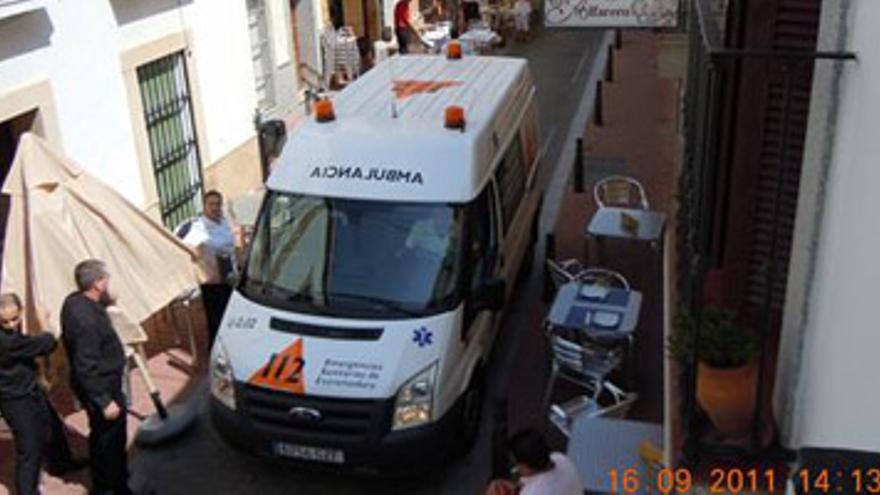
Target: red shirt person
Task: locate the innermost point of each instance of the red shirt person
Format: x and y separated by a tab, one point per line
402	26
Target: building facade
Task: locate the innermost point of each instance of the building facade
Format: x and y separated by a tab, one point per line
825	395
776	198
157	98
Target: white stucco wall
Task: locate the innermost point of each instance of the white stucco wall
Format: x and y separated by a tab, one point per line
836	400
77	46
221	48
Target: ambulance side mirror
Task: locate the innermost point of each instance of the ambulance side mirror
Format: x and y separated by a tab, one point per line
491	294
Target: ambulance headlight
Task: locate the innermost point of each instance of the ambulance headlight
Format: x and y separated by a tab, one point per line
222	381
415	400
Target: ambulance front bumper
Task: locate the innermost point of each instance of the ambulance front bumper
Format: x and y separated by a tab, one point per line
353	431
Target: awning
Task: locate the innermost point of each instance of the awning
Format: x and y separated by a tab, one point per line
60	215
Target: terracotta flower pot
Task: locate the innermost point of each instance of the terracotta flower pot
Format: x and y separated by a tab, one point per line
727	395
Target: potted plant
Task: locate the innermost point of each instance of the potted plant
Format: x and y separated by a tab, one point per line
727	369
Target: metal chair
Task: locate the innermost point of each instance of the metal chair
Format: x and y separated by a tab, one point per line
586	367
185	299
570	270
620	191
183	228
617	405
585	362
603	277
563	272
583	365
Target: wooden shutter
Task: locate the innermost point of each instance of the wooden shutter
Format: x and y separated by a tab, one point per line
756	140
767	183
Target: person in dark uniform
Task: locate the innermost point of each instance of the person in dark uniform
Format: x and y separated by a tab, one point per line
36	427
97	364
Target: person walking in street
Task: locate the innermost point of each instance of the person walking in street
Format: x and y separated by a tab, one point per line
211	235
403	27
522	13
35	425
540	471
97	364
470	10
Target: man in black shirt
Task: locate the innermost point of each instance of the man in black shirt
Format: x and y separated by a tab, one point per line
97	363
37	429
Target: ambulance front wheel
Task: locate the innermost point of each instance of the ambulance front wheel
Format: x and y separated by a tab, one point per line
528	261
472	411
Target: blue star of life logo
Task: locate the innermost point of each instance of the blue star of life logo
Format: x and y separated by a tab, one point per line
422	336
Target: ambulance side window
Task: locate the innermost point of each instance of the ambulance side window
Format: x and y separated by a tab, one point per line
482	249
511	178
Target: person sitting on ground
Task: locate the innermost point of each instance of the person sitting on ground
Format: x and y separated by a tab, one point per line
540	471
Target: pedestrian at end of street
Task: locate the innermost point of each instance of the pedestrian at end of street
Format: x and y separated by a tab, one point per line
522	13
470	10
37	430
540	472
97	365
212	237
403	27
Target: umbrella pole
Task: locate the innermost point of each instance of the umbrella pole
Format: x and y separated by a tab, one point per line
165	425
151	387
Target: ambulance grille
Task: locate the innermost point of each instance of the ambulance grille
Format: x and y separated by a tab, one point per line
341	420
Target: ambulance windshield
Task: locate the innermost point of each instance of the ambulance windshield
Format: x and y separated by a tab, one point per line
355	258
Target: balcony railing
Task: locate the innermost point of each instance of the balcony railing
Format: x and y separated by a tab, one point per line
710	77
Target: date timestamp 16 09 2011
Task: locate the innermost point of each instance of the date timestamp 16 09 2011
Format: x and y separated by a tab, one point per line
682	481
735	481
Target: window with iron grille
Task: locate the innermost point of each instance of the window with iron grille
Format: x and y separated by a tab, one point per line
174	151
261	54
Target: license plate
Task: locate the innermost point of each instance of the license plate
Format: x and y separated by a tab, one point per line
306	453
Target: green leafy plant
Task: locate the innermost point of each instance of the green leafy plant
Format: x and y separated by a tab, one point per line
723	342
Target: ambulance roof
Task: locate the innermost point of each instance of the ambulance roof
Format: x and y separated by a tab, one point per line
368	153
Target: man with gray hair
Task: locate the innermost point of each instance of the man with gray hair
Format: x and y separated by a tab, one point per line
97	364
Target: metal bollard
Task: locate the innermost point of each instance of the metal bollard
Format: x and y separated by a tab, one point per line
579	166
597	106
609	65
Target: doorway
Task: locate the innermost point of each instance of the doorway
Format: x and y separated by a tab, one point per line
10	132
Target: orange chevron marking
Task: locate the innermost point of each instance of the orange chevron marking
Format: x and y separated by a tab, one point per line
405	88
284	371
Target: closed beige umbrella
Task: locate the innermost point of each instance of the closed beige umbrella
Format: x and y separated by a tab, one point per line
60	215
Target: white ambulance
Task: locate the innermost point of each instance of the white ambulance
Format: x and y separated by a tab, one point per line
392	231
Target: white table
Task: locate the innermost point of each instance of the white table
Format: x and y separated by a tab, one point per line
569	304
606	223
600	445
480	40
437	37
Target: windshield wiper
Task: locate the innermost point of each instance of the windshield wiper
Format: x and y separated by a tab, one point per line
378	301
290	295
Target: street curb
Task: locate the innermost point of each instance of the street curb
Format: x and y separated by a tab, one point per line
558	182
